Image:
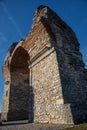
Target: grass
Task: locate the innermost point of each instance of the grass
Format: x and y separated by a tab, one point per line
78	127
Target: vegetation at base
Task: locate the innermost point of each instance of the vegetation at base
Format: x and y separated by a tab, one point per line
78	127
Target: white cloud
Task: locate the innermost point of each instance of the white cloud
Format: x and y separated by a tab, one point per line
11	18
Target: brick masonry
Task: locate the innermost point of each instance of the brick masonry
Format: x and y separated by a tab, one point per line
44	76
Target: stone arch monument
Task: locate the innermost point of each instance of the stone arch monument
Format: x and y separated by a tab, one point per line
44	76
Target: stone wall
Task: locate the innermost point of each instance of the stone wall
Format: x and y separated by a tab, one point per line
49	103
73	75
46	87
45	75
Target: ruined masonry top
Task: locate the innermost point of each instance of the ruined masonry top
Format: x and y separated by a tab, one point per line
48	18
45	13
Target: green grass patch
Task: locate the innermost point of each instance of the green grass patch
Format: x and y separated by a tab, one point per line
78	127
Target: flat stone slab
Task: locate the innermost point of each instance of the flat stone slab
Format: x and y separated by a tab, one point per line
24	125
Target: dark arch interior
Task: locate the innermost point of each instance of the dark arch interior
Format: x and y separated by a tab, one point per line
19	87
19	61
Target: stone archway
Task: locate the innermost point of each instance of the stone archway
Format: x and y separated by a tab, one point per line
19	87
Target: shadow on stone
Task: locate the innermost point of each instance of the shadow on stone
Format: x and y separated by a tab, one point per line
73	75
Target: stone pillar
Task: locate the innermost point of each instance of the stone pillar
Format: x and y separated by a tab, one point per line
5	104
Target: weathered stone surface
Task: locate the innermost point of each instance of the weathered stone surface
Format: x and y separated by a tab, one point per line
44	75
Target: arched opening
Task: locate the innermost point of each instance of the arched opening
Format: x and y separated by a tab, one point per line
19	86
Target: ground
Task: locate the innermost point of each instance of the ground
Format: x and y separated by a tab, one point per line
24	125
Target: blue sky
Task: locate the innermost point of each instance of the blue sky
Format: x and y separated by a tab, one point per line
16	19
